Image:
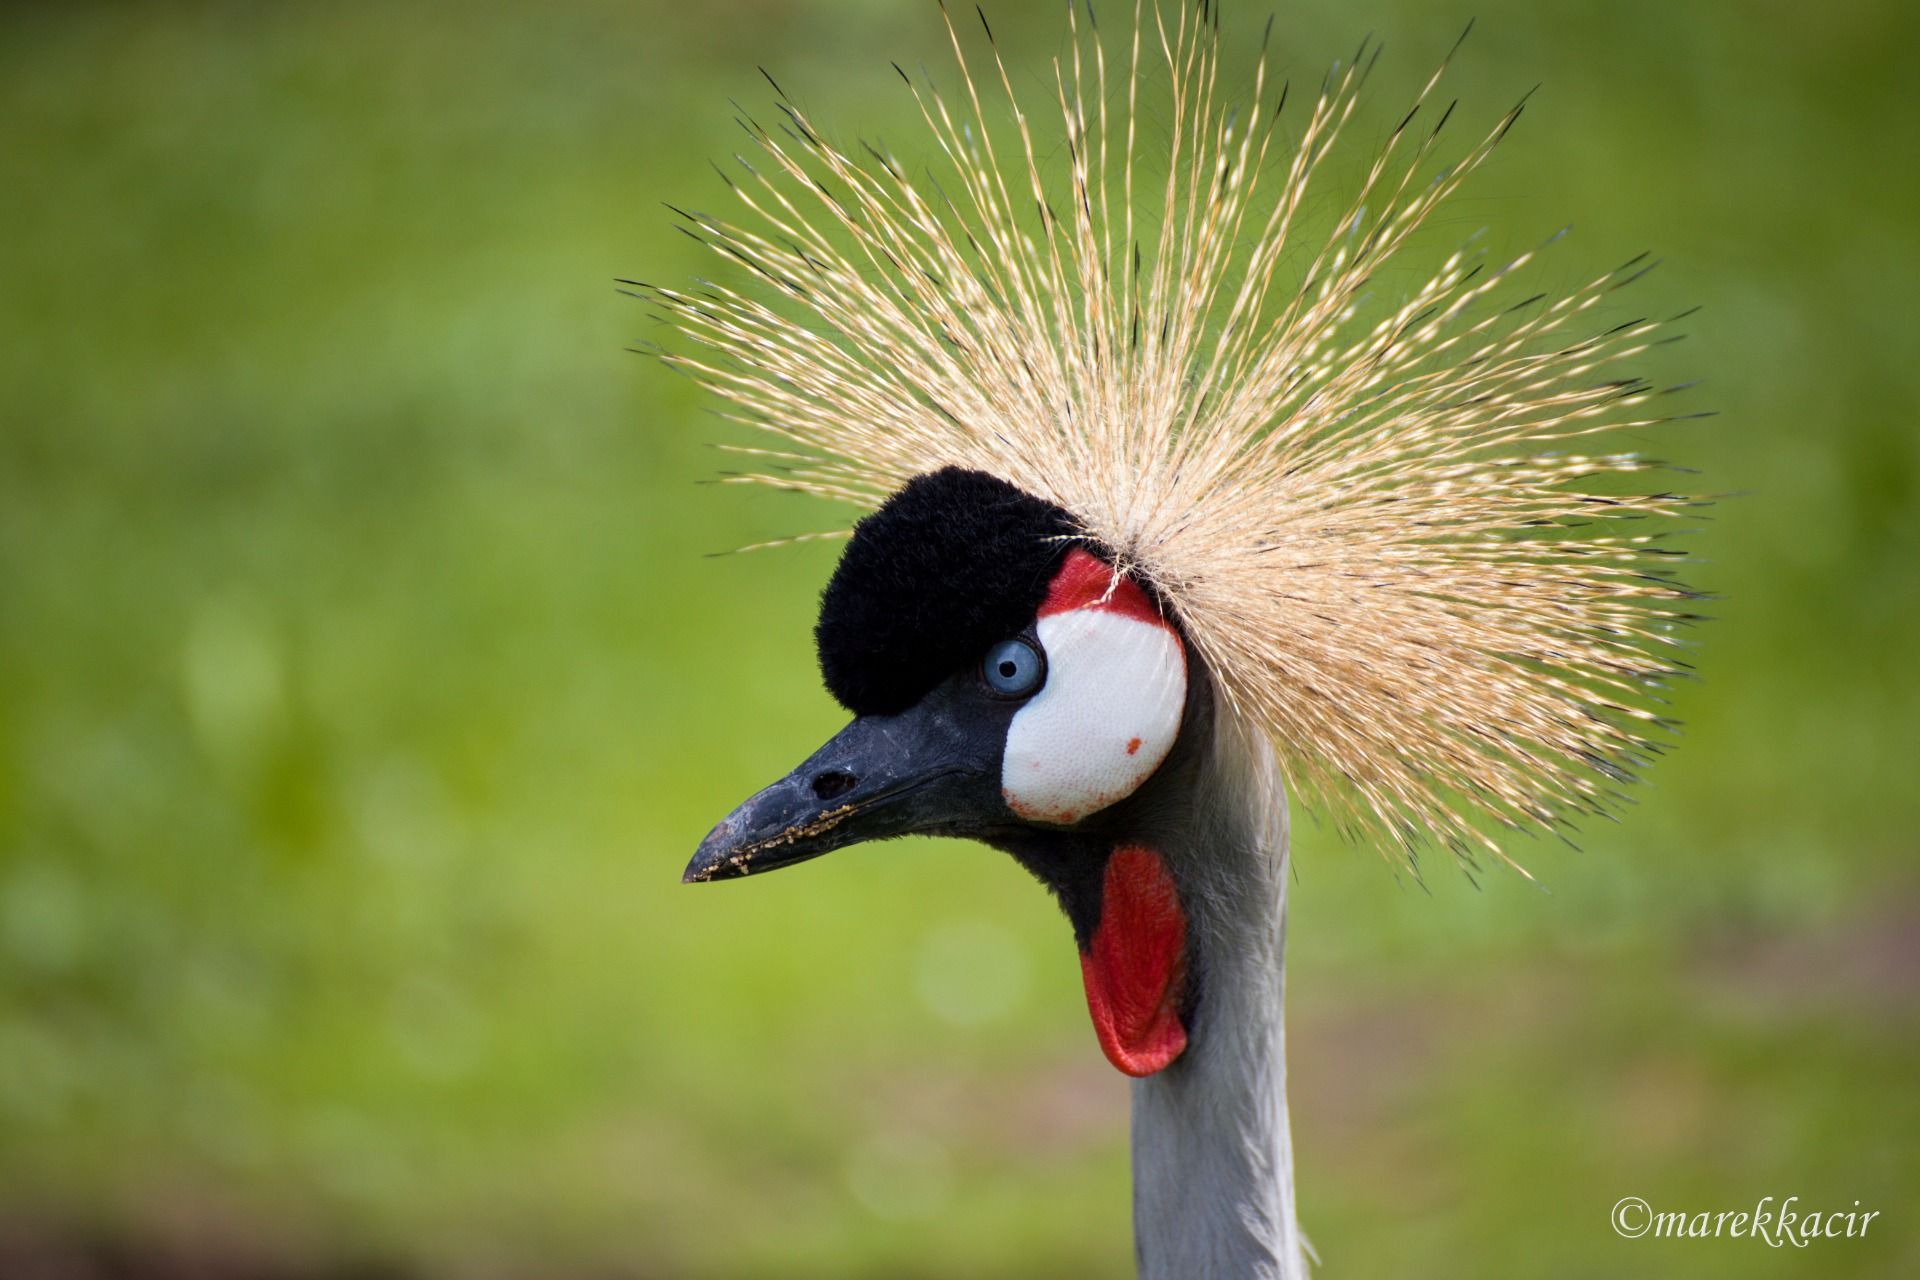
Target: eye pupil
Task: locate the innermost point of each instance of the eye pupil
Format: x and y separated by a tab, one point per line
1008	668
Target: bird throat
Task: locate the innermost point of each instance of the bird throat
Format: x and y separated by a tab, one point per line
1134	963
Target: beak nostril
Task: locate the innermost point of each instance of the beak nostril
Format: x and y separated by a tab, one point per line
833	783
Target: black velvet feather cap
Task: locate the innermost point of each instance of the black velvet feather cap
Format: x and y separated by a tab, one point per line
953	563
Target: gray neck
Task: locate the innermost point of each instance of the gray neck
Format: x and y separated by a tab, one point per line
1212	1157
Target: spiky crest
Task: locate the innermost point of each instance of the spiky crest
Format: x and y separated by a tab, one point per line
1383	535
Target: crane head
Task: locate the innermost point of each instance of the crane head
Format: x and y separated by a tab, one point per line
1008	685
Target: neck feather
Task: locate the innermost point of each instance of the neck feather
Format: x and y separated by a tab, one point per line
1212	1155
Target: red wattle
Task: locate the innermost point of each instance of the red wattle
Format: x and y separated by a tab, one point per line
1134	964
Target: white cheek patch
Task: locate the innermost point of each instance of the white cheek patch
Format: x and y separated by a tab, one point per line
1107	716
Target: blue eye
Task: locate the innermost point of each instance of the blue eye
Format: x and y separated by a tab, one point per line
1014	668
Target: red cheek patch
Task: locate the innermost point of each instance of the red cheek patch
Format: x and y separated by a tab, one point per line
1135	963
1086	582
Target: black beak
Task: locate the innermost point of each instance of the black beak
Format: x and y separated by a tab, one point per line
933	769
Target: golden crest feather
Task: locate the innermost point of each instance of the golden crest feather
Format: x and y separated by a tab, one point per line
1381	526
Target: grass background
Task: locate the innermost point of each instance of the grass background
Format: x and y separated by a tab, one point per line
363	689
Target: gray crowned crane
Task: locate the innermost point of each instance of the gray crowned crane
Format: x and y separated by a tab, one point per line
1173	510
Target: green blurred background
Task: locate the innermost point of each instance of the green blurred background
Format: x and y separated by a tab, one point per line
364	687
